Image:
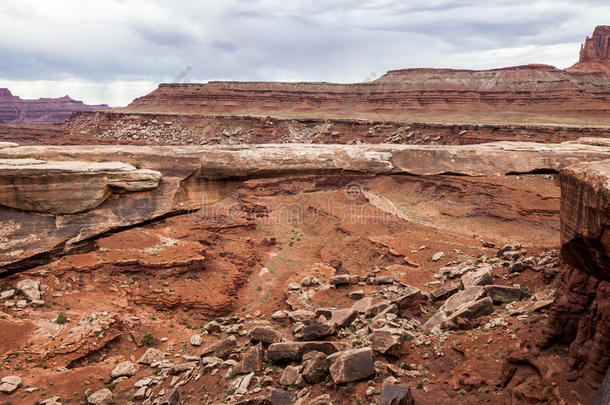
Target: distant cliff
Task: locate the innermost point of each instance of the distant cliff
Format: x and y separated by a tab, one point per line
595	52
14	110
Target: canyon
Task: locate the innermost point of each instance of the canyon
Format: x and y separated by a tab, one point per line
432	236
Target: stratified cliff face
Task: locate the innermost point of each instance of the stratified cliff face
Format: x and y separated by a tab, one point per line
14	110
595	52
532	88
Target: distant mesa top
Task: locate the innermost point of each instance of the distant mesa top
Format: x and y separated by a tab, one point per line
14	110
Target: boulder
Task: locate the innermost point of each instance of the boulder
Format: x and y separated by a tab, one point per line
171	398
503	294
280	397
279	315
343	318
151	355
301	315
10	383
316	367
265	335
196	340
125	368
289	351
101	397
454	304
352	365
395	395
362	305
387	340
376	308
317	331
251	361
342	279
409	298
183	367
472	310
290	375
223	348
445	291
29	288
480	276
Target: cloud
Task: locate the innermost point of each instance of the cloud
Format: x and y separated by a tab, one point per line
97	46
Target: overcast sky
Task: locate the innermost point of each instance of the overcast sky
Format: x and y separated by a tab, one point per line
111	51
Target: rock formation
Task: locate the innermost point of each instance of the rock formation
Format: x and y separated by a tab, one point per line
87	199
14	110
595	52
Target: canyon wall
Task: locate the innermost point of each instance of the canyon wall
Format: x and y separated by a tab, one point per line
71	194
14	110
595	52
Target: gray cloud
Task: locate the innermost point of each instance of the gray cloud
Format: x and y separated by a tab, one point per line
152	41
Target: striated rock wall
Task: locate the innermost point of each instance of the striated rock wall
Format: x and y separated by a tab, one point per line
157	128
193	176
524	88
595	52
14	110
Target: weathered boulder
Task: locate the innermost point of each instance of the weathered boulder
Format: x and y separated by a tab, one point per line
480	276
10	383
295	350
301	315
223	348
316	367
395	395
362	305
352	365
343	318
387	340
125	368
251	361
280	397
151	355
317	331
503	294
410	298
29	288
265	335
101	397
290	375
459	302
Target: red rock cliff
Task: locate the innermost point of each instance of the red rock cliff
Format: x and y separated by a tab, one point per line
14	110
595	52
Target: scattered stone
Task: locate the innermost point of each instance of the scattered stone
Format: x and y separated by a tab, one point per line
396	395
287	351
223	348
4	295
196	340
355	295
290	375
294	286
100	397
151	355
503	294
251	361
437	256
125	368
343	318
183	367
387	341
382	280
342	279
363	305
10	383
213	327
279	316
316	367
445	291
301	315
29	288
280	397
352	365
171	398
481	276
409	298
265	334
316	331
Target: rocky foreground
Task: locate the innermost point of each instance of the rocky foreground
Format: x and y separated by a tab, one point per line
310	274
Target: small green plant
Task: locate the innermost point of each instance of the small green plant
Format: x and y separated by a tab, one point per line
61	319
558	349
270	366
232	374
148	339
420	385
349	387
230	392
448	313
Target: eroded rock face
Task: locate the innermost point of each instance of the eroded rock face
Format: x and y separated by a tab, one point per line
585	217
194	176
61	188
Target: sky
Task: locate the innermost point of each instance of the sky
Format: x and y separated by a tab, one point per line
112	51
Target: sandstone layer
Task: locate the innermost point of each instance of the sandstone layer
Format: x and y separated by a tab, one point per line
193	176
14	110
595	52
585	217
